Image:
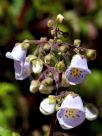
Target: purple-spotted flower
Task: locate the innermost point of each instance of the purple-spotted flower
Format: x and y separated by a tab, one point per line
71	113
77	70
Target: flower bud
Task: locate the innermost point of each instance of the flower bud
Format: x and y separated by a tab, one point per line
45	89
90	54
52	32
25	44
46	47
50	59
77	42
48	81
43	39
34	86
50	23
37	66
63	49
51	99
57	107
30	58
51	41
59	18
64	82
59	41
60	66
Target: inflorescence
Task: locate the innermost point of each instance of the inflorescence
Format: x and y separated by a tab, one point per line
51	72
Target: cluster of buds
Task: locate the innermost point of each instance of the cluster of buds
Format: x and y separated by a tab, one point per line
51	71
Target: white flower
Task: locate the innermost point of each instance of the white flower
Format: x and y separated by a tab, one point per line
77	70
17	53
91	111
47	108
71	112
60	18
37	66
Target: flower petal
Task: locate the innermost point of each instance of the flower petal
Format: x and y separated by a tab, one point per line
22	70
17	53
91	111
47	108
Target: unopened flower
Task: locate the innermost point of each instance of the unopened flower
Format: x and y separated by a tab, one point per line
34	86
77	70
22	70
18	53
91	54
59	18
60	66
45	89
64	82
50	59
77	42
71	113
37	65
47	108
91	111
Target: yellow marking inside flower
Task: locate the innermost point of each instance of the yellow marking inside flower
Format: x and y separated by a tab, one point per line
70	113
75	72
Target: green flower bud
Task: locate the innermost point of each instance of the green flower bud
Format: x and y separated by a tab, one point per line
50	23
59	18
91	54
52	99
52	32
46	86
25	44
43	39
48	81
50	74
34	86
50	59
63	49
51	41
47	47
30	58
64	82
45	89
77	42
57	107
59	41
37	65
60	66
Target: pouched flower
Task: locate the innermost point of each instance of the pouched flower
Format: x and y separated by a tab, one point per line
22	70
46	107
77	70
37	65
91	112
71	113
18	53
